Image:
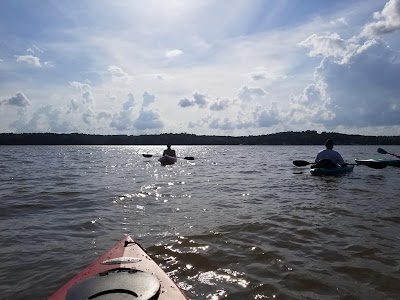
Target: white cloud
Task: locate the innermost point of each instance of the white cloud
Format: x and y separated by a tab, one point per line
361	93
261	74
148	119
124	119
44	119
224	124
185	102
251	93
387	21
173	53
244	63
117	72
198	99
341	21
30	60
19	100
220	104
86	91
330	46
148	99
267	117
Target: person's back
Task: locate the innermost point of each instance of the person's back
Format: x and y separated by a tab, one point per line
169	151
330	154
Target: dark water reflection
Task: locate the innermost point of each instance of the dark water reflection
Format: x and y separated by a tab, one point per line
225	226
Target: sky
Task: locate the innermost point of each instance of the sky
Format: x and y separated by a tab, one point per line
205	67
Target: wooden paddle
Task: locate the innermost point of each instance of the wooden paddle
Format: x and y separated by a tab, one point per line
382	151
186	157
372	164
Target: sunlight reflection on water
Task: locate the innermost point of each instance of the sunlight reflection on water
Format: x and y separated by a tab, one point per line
224	225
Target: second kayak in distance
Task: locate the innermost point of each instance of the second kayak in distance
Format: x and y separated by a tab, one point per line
389	162
125	271
167	160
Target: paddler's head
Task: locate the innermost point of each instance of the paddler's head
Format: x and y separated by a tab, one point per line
329	144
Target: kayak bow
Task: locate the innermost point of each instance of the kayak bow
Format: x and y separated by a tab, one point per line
123	272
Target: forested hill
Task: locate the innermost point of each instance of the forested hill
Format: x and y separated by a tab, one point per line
282	138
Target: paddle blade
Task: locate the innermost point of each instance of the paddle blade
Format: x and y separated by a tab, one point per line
301	163
147	155
382	151
189	157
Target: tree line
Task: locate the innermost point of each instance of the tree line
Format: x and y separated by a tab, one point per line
309	137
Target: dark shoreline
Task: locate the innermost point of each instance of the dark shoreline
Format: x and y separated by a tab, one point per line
282	138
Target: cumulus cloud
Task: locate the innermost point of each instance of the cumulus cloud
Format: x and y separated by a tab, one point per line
264	74
148	99
148	119
363	92
141	119
85	89
124	119
251	93
89	117
224	124
198	99
331	46
19	100
267	117
220	104
103	115
258	76
387	21
30	60
185	102
44	119
117	72
339	21
173	53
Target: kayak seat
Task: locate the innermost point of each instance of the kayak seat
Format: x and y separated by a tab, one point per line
117	284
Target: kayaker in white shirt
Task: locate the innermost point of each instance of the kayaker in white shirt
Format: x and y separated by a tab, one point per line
330	154
169	151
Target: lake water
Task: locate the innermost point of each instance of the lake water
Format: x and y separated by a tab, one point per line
238	222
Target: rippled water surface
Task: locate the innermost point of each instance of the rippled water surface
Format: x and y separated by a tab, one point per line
238	222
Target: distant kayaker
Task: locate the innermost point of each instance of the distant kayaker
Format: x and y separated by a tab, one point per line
330	154
169	151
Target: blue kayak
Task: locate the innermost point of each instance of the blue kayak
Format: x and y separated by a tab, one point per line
331	171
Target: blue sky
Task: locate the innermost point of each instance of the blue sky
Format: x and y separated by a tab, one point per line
209	67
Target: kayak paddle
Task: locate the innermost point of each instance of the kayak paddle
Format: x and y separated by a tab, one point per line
382	151
372	164
186	157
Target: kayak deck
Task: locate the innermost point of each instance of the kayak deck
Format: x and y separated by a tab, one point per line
126	269
331	171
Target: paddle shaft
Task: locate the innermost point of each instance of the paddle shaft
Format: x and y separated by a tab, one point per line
186	157
372	164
